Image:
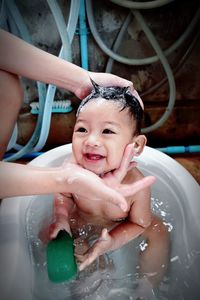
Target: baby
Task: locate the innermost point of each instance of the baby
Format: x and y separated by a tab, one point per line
108	120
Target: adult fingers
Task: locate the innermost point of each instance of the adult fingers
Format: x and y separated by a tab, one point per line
103	193
135	93
132	165
125	162
131	189
115	197
86	184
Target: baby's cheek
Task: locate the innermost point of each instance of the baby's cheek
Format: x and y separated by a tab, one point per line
77	156
116	158
113	163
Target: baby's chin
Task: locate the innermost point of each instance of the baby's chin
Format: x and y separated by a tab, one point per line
104	172
100	171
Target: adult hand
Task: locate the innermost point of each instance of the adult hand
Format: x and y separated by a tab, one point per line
114	179
104	79
87	185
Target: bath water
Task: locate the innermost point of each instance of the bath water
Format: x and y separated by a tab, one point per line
115	275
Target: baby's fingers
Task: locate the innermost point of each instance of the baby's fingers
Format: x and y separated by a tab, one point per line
87	262
53	230
87	258
56	227
79	257
104	235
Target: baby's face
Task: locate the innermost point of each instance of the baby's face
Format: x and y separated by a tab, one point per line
101	134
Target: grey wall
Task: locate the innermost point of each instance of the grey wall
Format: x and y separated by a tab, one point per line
167	23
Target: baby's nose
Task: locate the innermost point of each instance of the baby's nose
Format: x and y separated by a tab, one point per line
93	141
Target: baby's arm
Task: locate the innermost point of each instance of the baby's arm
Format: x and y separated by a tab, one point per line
61	212
109	241
62	206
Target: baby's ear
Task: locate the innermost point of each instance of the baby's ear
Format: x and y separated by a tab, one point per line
139	142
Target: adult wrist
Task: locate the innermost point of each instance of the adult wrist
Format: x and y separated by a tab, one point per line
61	179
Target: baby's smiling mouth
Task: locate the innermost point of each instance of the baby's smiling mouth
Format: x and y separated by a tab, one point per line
93	156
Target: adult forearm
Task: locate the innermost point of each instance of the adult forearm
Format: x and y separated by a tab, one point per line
20	180
21	58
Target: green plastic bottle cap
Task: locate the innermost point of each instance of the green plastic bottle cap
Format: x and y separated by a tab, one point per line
61	263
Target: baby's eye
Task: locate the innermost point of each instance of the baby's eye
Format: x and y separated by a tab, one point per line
81	129
108	131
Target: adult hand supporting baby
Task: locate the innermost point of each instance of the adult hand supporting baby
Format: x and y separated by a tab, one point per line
69	178
21	180
86	184
114	179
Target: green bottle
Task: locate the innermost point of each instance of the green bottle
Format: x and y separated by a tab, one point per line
61	263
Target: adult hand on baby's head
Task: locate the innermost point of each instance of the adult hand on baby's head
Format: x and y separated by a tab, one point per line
106	80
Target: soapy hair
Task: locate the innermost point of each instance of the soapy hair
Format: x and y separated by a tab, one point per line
120	95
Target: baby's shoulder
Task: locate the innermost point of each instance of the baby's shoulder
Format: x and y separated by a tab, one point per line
131	177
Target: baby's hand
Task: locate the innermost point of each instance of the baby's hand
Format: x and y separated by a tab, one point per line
61	208
50	232
60	224
100	247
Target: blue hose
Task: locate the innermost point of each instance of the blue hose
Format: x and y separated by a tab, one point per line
83	35
143	5
45	98
60	22
138	61
16	16
180	149
28	156
67	36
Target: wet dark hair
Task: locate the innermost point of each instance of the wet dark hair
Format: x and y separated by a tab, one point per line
121	95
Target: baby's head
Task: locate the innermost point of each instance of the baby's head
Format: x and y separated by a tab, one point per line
107	121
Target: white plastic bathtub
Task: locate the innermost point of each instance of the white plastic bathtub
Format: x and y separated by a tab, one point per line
175	197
